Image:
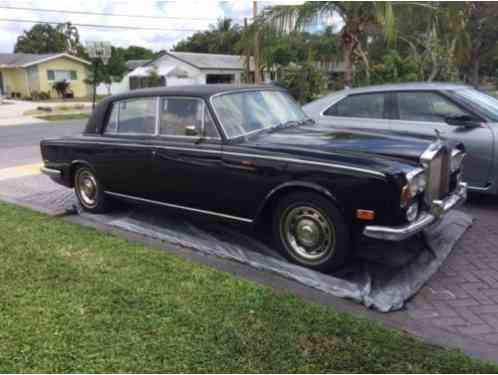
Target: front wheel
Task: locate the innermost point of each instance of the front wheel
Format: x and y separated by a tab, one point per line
89	191
310	231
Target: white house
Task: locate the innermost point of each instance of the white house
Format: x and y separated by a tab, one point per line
183	68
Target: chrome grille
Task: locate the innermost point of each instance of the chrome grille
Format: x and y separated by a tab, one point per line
436	162
445	172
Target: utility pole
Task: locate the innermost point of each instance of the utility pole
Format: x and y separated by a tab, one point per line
247	58
257	72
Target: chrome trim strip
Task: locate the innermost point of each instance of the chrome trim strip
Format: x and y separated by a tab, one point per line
298	161
438	210
179	207
50	172
488	187
308	162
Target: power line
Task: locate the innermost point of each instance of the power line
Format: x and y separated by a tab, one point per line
92	25
108	14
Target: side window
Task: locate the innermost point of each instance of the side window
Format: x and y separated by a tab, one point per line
112	122
364	105
181	117
137	116
426	106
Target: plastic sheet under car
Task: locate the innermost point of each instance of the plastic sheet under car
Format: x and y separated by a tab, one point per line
381	276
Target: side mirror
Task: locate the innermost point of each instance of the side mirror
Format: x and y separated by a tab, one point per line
464	120
191	131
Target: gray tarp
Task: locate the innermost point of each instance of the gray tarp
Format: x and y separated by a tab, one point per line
383	276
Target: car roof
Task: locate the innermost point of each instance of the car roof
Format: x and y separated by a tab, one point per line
319	105
204	91
96	121
411	86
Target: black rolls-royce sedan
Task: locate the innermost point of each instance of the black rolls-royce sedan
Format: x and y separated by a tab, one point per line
250	154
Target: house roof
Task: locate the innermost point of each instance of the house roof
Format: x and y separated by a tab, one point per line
132	64
23	60
210	60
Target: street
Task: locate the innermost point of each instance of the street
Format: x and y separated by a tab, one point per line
20	143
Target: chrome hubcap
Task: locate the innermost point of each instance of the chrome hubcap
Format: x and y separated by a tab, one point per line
87	186
308	233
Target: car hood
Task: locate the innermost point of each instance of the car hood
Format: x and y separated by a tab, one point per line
378	151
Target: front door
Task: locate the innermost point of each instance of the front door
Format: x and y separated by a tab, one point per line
420	112
187	156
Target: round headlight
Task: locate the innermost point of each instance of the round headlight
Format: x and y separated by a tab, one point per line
457	157
421	182
417	183
412	212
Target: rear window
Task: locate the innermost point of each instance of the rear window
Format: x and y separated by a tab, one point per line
133	116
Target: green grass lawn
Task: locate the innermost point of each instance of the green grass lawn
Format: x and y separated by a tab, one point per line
76	300
65	116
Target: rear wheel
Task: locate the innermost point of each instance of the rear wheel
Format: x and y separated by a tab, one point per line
310	231
89	191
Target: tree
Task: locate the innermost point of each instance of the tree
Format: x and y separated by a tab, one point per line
136	53
356	17
477	21
393	69
153	78
220	38
44	38
71	38
112	72
304	82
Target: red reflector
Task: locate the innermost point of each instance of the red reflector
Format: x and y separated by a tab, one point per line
365	215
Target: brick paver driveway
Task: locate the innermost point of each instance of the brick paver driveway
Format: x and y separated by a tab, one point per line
463	296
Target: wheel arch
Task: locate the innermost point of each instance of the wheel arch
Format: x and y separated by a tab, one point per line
74	165
282	190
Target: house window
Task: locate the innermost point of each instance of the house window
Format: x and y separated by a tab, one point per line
62	75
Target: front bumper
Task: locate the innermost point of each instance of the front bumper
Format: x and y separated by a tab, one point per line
438	210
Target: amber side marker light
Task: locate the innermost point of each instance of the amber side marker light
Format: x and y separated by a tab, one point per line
365	215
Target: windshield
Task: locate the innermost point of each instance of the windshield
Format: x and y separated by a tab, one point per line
480	101
244	112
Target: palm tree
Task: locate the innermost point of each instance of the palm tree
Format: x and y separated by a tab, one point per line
355	18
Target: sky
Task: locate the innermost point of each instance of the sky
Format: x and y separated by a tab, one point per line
189	16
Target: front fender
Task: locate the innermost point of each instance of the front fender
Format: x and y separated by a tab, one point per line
290	185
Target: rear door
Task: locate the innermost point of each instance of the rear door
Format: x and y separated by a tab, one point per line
420	112
369	111
124	156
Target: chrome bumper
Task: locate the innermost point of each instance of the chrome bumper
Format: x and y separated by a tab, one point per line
55	173
438	210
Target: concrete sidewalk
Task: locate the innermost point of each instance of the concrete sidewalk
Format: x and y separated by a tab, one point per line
12	112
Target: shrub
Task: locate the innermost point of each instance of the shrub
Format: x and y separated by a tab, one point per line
304	82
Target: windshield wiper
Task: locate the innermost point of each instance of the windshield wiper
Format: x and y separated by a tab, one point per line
283	125
290	124
308	120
